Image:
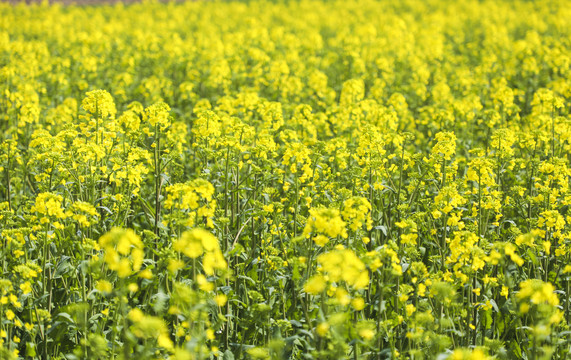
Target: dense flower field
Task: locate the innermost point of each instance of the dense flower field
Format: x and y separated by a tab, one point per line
299	180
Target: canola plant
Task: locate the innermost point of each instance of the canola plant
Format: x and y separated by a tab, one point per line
285	180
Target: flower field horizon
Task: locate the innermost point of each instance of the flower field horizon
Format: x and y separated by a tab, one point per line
285	180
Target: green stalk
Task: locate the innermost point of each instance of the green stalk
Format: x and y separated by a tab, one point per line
157	181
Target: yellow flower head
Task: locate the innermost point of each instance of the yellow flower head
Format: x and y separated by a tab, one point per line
196	242
99	104
326	222
123	251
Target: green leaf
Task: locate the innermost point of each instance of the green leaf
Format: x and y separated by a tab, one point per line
228	355
30	349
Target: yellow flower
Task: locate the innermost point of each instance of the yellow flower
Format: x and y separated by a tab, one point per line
445	145
410	309
164	341
357	212
421	289
133	287
49	205
123	251
537	292
26	287
510	251
175	265
343	264
220	299
342	296
358	304
203	283
409	239
207	125
366	334
84	213
504	292
99	103
14	301
146	274
465	354
104	286
158	115
197	242
315	285
321	240
322	329
327	222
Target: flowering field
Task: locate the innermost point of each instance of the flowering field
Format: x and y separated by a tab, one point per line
298	180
